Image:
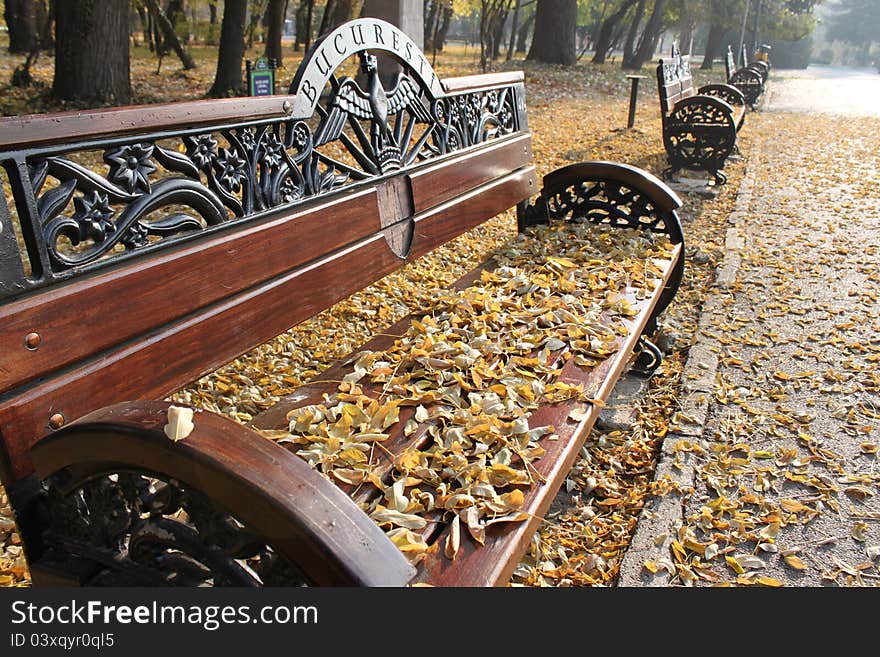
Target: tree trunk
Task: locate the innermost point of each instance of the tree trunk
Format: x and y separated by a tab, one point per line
606	32
46	24
523	37
650	35
257	7
431	17
92	51
498	22
336	13
212	8
443	30
145	26
21	21
714	46
554	39
227	81
513	28
629	46
169	35
275	14
309	20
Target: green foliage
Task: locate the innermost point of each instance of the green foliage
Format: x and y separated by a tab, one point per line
855	21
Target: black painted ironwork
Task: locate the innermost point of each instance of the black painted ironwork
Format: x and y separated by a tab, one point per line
749	79
619	204
87	204
137	529
699	131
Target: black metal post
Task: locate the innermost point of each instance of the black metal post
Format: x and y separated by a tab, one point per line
633	96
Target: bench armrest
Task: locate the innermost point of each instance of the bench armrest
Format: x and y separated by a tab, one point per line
726	92
276	495
619	195
711	104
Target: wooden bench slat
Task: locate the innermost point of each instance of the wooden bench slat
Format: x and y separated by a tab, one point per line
170	285
189	347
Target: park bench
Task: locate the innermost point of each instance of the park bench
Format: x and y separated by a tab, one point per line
147	246
699	126
749	78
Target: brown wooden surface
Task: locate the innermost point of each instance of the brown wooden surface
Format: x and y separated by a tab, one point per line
163	361
492	564
482	81
33	130
276	494
79	319
441	182
150	292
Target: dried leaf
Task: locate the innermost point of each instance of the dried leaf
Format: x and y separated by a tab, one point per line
180	423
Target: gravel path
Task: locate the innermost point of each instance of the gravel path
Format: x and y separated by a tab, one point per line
780	486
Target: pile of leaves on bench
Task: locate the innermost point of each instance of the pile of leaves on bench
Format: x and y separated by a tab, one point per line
474	366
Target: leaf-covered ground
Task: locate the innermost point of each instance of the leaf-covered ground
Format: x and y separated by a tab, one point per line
577	114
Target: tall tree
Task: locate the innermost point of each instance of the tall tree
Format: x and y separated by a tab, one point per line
228	79
629	46
92	51
169	35
21	21
513	28
522	35
335	14
605	38
276	12
649	38
555	40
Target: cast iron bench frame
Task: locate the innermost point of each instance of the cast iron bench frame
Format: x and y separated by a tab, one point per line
699	126
749	78
92	338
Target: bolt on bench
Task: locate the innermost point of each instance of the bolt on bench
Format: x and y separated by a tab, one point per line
699	127
147	246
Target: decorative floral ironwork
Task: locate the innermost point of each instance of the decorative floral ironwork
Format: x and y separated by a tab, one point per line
142	530
93	216
201	149
230	169
131	166
155	190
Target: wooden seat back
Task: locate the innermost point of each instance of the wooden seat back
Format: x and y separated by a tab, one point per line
146	246
674	82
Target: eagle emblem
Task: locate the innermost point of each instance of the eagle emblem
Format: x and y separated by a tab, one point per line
387	146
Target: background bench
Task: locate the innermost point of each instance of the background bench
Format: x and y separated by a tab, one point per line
699	126
150	245
749	78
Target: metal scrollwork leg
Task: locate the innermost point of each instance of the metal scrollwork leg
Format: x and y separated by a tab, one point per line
648	358
138	530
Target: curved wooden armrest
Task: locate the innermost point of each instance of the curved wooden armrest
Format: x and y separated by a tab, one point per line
275	493
662	197
726	92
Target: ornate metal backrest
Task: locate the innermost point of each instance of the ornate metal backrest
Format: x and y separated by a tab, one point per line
164	184
729	62
674	80
167	201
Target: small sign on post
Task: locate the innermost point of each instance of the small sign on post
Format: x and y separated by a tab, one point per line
261	77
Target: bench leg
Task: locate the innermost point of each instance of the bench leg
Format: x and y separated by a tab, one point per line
648	358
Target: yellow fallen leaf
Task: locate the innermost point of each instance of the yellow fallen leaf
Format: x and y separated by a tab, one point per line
795	562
